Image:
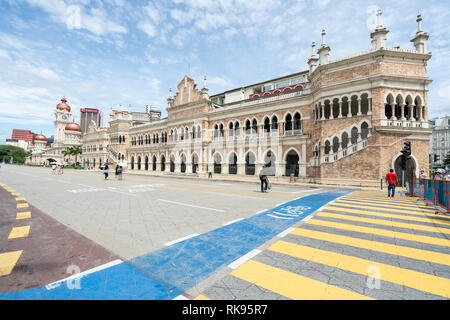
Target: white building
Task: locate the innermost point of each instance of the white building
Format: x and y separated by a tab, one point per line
440	140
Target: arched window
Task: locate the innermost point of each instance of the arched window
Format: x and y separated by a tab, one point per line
269	162
254	127
216	131
232	163
247	127
327	147
344	139
182	134
250	161
132	163
199	132
120	139
230	129
364	130
236	129
146	163
183	163
275	123
139	163
335	144
172	163
163	163
217	163
186	133
292	166
354	135
194	163
154	163
267	125
221	131
297	122
288	123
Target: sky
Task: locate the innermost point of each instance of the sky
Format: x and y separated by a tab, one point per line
128	53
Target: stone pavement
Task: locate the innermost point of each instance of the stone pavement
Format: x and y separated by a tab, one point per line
361	246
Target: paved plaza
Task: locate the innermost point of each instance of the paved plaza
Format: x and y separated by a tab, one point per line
77	236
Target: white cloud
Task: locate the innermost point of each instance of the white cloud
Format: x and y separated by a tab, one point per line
148	28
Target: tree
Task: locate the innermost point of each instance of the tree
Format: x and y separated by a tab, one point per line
73	151
16	154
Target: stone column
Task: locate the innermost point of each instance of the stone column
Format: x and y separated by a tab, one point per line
331	111
402	108
323	112
420	113
393	117
225	168
340	110
359	107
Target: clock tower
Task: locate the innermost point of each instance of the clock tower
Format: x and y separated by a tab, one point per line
62	118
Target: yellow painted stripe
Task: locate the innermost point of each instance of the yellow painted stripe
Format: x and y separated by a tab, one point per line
19	232
292	285
387	215
2	185
21	199
382	203
413	279
381	232
16	194
420	204
22	205
391	210
386	199
408	252
23	215
384	222
7	261
201	297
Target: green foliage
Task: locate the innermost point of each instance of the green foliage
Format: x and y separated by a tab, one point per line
73	151
17	154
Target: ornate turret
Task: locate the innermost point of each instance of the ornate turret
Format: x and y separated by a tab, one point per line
379	35
312	62
324	51
204	90
421	38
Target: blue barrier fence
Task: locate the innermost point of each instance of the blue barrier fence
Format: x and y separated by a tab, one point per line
436	191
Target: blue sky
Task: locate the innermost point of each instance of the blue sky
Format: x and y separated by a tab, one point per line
103	54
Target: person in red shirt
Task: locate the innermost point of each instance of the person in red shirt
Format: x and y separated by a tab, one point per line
391	180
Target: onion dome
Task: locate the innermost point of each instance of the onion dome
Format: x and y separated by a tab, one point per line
63	105
73	127
40	137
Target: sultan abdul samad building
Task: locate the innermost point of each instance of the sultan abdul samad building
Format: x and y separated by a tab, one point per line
343	121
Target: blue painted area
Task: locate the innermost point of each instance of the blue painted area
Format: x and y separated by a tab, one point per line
166	273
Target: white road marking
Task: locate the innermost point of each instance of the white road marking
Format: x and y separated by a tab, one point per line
231	222
235	195
181	239
84	273
262	211
235	264
310	190
280	217
181	297
191	205
285	232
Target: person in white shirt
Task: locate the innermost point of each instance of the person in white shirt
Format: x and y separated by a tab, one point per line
423	175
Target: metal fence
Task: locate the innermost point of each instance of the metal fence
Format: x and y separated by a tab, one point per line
436	191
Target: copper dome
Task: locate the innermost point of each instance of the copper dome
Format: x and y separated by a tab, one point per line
73	127
63	105
40	137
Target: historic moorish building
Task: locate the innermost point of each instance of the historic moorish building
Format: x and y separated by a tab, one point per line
67	134
341	121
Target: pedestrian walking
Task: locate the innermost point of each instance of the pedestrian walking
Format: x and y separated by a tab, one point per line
53	168
106	171
423	175
62	169
391	180
263	178
116	173
119	172
209	172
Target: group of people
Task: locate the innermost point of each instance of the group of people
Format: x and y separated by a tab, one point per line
57	168
118	172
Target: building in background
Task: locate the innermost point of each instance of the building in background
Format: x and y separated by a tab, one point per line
95	146
440	140
25	145
87	115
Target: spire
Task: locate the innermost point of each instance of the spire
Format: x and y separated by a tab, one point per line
419	23
323	37
421	38
379	35
170	99
205	90
312	62
324	51
379	24
204	82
